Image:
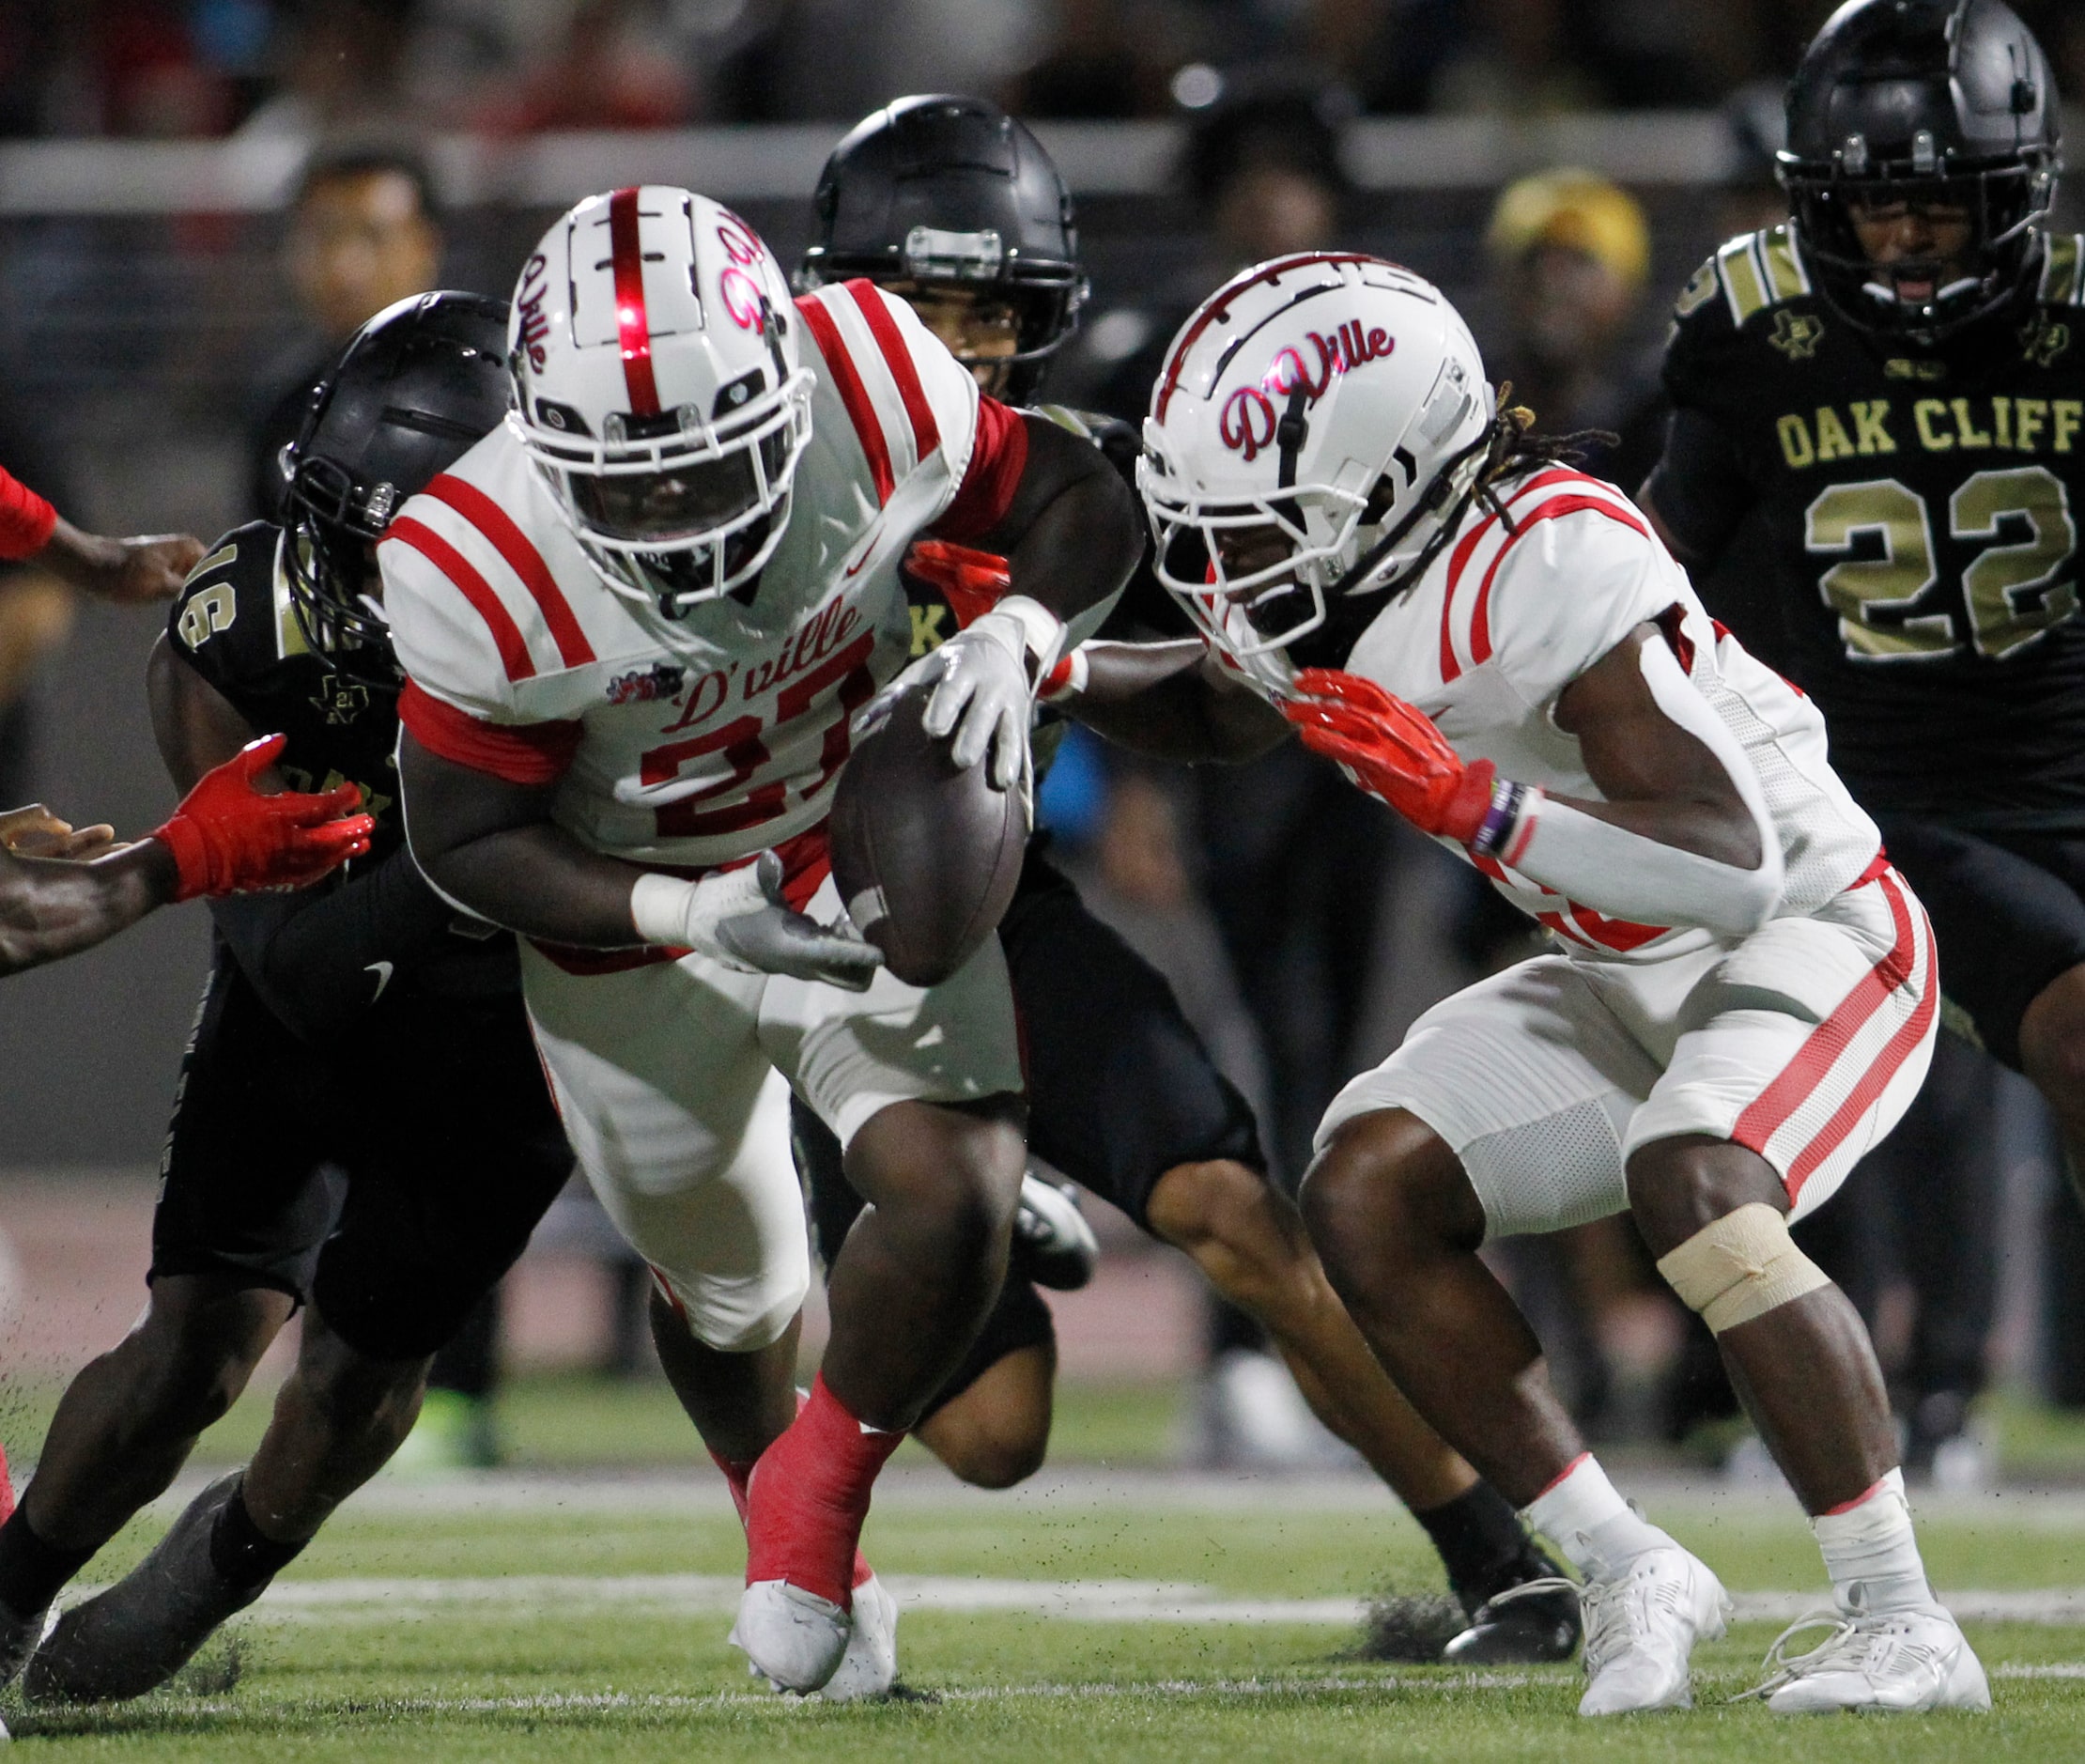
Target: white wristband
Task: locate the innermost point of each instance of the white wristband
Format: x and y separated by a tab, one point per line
660	907
1041	632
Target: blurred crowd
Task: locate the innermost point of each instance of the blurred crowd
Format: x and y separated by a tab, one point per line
213	67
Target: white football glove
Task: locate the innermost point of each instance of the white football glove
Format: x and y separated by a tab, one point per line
739	917
983	692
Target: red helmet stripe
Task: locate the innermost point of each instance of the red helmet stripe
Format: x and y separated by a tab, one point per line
633	326
1219	304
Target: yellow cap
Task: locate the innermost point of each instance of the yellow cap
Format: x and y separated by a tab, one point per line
1580	209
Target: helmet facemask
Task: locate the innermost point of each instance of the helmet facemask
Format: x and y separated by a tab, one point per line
325	563
1341	544
2004	205
678	509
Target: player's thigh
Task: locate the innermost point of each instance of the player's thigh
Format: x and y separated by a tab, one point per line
669	1104
452	1177
247	1194
1530	1080
1807	1042
833	1204
1121	1087
2009	919
850	1054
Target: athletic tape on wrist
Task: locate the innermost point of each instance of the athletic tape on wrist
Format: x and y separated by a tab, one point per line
659	908
1041	630
1740	1266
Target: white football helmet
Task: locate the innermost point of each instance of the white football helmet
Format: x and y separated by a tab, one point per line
659	391
1321	423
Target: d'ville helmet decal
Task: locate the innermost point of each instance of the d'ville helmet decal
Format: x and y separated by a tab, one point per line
1250	417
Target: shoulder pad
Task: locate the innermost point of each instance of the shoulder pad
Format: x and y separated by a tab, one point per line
2062	282
1753	273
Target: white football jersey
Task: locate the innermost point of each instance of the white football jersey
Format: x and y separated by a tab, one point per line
1502	621
694	740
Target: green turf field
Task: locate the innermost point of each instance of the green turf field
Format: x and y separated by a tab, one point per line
578	1619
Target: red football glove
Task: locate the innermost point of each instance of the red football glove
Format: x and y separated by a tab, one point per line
228	839
1393	751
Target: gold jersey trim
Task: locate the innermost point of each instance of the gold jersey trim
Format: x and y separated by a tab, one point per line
2062	284
1761	271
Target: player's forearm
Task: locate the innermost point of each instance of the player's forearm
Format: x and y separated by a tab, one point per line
1186	717
541	882
51	907
319	959
1666	862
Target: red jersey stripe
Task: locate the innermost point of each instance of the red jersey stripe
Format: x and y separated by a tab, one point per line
522	753
464	578
1480	623
926	433
1769	1111
633	325
523	559
1458	560
852	394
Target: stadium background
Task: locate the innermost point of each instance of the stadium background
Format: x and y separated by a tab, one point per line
146	151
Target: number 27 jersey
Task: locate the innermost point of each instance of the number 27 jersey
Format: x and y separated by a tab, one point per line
1920	510
696	740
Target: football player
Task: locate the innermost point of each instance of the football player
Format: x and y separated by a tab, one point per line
1889	391
1742	997
956	209
360	1129
64	889
638	621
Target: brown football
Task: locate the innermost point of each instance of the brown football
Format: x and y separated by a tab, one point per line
925	857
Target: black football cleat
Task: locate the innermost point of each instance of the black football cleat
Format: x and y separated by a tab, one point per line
19	1637
1531	1621
142	1630
1052	1245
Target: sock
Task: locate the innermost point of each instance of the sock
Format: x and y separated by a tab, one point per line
7	1489
1582	1513
739	1477
809	1495
238	1550
1869	1542
1479	1539
32	1571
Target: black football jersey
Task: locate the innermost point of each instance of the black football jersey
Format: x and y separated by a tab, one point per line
235	624
1917	512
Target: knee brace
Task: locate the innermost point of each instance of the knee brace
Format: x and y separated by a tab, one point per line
1740	1266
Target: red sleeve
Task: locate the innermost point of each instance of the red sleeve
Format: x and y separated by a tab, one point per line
996	462
25	518
521	753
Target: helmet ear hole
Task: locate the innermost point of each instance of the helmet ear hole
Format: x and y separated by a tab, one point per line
1379	501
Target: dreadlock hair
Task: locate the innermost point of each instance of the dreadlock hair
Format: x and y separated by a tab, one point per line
1514	447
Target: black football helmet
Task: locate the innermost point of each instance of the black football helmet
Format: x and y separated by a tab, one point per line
1941	101
952	192
415	387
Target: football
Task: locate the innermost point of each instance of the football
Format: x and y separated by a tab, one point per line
925	857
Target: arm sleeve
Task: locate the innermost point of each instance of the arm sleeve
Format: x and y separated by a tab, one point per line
25	518
317	958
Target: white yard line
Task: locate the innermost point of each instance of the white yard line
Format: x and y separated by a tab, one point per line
408	1597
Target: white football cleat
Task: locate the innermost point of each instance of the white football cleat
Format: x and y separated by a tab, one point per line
869	1666
1899	1662
794	1639
1642	1626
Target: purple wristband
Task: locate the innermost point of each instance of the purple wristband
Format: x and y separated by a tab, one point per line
1502	820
